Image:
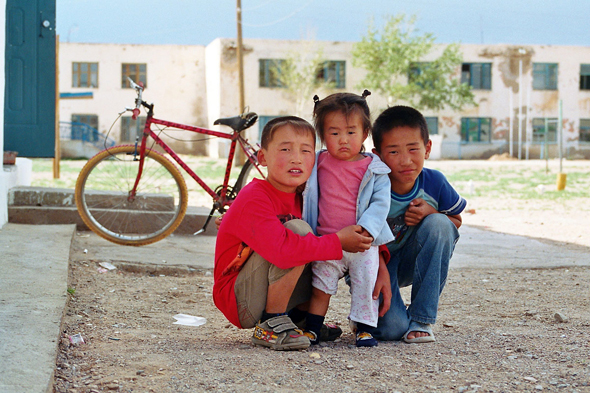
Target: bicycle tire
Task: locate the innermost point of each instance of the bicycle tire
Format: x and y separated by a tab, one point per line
249	171
102	190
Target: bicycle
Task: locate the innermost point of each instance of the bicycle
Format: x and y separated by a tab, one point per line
135	195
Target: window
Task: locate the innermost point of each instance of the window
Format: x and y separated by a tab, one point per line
137	72
476	129
477	75
584	76
545	76
84	74
333	72
540	134
270	72
584	130
417	69
262	120
131	129
432	123
84	127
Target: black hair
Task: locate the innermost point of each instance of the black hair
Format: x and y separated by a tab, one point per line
345	103
398	116
297	123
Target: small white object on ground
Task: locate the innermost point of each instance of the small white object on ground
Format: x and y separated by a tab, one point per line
108	265
189	320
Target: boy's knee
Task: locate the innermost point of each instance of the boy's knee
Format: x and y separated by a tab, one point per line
299	227
439	226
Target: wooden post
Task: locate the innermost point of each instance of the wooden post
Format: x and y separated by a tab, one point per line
57	157
240	157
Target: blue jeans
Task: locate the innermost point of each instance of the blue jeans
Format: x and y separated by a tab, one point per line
422	262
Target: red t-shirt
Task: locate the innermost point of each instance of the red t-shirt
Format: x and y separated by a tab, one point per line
255	219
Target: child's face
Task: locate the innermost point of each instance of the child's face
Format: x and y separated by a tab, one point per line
404	152
289	158
344	136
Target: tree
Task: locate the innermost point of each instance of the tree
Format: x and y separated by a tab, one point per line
299	75
394	60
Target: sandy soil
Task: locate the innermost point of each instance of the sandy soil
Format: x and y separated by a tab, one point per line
499	330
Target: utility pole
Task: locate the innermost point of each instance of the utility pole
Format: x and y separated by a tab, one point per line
240	158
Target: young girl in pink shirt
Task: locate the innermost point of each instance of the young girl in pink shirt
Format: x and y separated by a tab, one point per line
347	187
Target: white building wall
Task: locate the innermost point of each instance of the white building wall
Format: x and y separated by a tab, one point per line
175	84
214	74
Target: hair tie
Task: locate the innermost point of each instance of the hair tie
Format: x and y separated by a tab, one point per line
366	93
316	100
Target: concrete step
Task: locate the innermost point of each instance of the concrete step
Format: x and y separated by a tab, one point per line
40	206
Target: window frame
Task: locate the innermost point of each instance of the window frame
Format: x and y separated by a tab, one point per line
137	125
430	130
586	133
138	75
584	76
266	68
545	76
478	75
466	125
539	136
333	71
91	74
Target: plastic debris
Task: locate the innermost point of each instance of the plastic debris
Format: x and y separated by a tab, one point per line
108	265
189	320
76	339
102	270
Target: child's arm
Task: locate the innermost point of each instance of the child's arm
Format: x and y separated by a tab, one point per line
354	239
373	217
418	209
383	286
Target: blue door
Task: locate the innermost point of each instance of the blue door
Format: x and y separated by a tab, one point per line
29	103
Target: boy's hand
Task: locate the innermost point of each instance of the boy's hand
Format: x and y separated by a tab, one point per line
417	210
383	286
353	240
218	221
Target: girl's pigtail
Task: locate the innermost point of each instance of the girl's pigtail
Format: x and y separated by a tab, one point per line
366	93
316	101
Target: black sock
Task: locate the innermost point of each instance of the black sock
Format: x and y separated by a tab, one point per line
314	323
266	315
361	327
297	315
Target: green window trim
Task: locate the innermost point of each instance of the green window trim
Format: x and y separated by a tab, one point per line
432	123
476	129
545	76
539	132
477	75
270	72
333	71
584	76
584	130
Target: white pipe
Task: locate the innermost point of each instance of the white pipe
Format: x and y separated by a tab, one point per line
510	132
520	108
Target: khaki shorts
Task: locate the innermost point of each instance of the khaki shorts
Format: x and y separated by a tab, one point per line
257	274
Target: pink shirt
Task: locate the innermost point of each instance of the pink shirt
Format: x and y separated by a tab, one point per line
339	182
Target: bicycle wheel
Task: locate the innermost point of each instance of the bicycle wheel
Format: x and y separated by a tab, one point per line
249	171
102	196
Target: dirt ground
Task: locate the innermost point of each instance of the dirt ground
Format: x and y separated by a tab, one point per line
498	330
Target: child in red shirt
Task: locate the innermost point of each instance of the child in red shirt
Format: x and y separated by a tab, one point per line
257	290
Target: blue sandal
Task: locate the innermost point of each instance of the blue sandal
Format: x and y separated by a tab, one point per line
419	327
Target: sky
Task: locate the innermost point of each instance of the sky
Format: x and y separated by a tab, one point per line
198	22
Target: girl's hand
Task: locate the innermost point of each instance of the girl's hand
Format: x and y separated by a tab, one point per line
353	240
417	210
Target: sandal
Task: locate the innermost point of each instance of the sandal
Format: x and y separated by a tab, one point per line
279	333
328	332
419	327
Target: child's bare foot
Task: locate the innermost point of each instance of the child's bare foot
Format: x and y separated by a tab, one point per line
419	333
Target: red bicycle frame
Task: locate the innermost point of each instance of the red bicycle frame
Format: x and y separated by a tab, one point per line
219	197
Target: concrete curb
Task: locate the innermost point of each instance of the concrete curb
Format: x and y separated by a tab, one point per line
33	297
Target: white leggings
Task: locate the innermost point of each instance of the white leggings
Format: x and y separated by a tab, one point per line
362	268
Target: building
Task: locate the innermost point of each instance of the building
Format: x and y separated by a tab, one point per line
197	84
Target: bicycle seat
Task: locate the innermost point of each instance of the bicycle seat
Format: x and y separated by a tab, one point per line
238	123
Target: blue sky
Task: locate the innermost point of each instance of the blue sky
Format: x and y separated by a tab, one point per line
198	22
